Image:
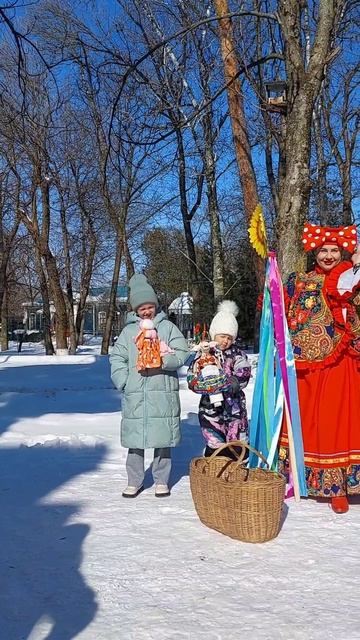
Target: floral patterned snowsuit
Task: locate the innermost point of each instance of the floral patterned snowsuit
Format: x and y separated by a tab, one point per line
227	422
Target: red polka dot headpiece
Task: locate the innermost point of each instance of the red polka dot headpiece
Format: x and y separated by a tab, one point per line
314	237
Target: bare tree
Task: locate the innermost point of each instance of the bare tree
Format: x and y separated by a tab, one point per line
8	231
342	139
156	109
304	83
308	48
238	120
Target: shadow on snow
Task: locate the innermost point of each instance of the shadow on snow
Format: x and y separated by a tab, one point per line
34	390
191	445
40	552
40	549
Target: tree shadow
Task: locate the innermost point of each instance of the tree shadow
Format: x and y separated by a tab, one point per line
40	550
43	590
28	391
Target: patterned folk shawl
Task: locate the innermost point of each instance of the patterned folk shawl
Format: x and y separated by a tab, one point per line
319	330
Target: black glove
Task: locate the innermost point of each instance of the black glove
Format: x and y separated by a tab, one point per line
235	385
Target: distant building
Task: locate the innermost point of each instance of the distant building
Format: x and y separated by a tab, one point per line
180	311
94	316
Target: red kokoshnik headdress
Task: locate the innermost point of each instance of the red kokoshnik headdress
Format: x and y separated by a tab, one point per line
315	236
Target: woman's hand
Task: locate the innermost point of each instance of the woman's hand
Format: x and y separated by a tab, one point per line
356	259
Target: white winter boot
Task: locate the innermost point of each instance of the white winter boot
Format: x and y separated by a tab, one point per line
132	492
162	490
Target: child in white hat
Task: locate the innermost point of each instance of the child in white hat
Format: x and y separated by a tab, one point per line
223	421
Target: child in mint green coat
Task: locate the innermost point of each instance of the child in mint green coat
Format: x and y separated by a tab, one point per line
151	403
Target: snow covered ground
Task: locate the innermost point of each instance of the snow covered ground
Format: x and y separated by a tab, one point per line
79	561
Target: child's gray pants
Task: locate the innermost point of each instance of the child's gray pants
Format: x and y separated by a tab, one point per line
161	466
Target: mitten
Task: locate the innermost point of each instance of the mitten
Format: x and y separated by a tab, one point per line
165	349
235	385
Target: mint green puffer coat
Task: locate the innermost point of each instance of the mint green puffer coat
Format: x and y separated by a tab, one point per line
151	404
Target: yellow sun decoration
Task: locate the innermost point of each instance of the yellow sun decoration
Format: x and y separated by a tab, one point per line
257	232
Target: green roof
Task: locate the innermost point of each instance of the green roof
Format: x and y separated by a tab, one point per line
122	291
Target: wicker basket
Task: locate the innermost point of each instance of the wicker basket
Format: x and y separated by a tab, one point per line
242	503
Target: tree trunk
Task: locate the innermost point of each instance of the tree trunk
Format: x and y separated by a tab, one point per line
347	215
80	330
4	322
321	168
294	195
71	332
270	172
216	243
344	165
53	274
59	302
7	237
69	298
46	321
3	282
85	286
189	239
113	292
128	259
303	87
195	285
238	123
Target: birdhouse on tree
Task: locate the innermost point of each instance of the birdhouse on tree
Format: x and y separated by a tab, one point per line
276	98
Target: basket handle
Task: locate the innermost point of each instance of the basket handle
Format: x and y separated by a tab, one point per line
240	456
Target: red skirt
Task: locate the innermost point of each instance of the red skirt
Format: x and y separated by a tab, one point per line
330	420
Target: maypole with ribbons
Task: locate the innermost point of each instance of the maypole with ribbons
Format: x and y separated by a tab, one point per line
275	394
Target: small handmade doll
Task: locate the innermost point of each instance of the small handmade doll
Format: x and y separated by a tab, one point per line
208	372
149	346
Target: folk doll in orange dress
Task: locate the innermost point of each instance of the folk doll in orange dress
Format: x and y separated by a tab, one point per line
325	333
150	347
148	344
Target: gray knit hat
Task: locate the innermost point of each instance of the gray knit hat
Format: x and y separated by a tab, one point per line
141	292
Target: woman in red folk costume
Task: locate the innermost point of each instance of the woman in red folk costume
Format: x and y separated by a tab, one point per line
325	334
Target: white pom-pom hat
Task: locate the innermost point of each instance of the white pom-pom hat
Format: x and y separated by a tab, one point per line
225	320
